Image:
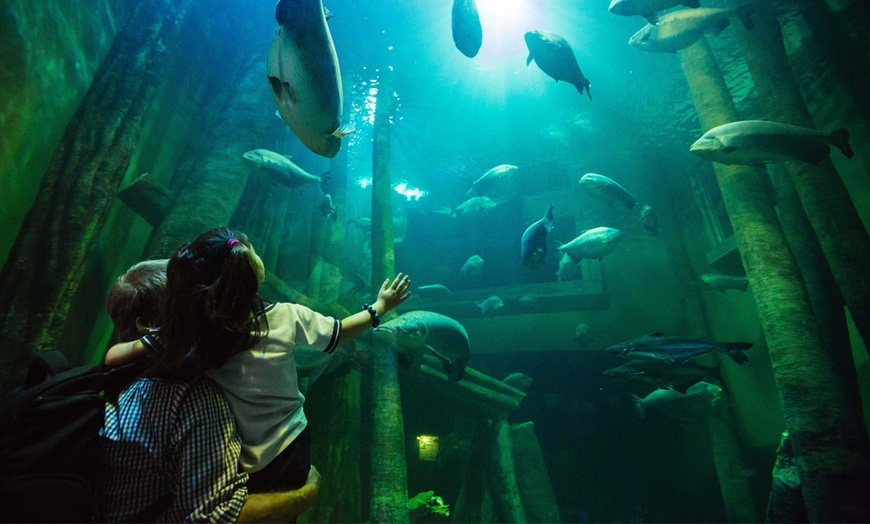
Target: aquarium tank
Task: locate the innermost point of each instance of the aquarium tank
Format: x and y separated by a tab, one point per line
636	232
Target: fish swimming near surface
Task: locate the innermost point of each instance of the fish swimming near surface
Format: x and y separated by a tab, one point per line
649	219
660	374
648	9
680	29
699	401
534	241
495	182
472	266
753	142
720	282
554	56
676	350
437	334
304	75
467	33
606	190
597	242
491	306
283	171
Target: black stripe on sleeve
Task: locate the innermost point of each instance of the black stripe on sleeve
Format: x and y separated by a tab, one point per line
333	342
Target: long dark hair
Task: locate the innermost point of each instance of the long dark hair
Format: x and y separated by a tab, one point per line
210	307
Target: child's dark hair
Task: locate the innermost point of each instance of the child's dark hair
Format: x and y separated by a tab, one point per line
210	307
134	301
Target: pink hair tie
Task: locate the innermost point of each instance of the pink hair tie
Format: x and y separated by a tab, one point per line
231	242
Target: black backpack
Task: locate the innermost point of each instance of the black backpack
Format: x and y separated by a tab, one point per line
49	439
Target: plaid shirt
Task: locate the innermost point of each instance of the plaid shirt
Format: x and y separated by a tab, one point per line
171	445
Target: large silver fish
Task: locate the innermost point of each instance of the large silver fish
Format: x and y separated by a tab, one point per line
495	182
465	22
680	29
282	170
606	190
699	401
597	242
676	350
648	9
554	56
749	142
439	335
303	72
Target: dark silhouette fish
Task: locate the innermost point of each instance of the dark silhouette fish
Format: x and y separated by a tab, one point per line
660	374
554	56
467	33
676	350
534	242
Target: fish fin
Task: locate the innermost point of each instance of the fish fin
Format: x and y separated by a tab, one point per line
738	355
529	60
694	4
638	406
343	131
815	154
719	26
652	18
840	140
278	114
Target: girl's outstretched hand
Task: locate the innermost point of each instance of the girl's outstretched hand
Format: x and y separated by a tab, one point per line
393	293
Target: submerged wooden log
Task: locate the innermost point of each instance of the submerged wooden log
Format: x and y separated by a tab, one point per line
533	481
46	264
147	199
502	474
786	503
731	467
211	192
477	394
389	469
829	208
817	415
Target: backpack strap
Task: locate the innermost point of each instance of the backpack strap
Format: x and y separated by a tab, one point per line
44	366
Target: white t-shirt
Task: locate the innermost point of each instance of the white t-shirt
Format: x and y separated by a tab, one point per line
260	384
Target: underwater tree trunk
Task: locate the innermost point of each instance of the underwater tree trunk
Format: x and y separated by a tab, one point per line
829	208
826	442
45	266
731	467
846	56
333	251
389	469
786	503
533	481
335	427
502	474
211	192
474	504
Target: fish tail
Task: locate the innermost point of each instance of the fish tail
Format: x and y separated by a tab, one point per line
738	355
744	14
639	410
840	140
343	131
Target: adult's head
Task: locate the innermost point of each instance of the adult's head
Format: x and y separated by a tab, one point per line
134	301
210	305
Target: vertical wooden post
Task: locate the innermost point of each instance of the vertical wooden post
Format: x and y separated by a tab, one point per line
389	470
